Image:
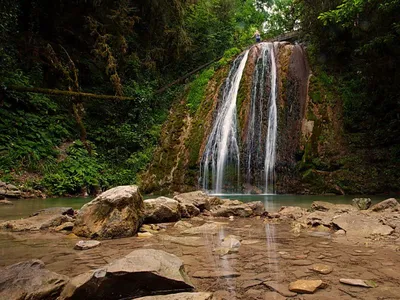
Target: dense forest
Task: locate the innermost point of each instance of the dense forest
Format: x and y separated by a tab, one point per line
130	50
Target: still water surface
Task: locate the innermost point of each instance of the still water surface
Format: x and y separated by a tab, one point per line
25	207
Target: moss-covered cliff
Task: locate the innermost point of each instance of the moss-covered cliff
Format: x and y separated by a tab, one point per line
315	153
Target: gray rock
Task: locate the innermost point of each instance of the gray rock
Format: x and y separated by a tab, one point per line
43	219
65	226
354	282
361	225
6	202
207	228
9	191
280	288
388	203
190	241
305	286
30	280
115	213
362	203
143	272
291	212
182	225
198	198
180	296
236	208
55	210
85	245
161	210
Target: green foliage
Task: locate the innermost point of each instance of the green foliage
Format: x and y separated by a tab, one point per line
228	56
76	172
198	89
281	16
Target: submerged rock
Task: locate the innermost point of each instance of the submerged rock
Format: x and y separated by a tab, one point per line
236	208
115	213
361	225
43	219
141	273
6	202
388	203
180	296
161	209
322	269
362	203
85	245
30	280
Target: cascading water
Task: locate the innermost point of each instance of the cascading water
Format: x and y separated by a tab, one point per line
270	152
260	133
222	150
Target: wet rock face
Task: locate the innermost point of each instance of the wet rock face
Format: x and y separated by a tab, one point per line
9	191
141	273
30	280
116	213
161	210
362	203
43	219
386	204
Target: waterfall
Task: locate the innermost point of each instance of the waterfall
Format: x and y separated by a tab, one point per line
270	152
222	149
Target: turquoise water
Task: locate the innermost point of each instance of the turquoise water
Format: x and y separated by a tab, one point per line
275	202
24	207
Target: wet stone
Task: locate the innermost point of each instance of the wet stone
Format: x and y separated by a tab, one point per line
322	269
301	262
251	283
354	282
305	286
280	288
85	245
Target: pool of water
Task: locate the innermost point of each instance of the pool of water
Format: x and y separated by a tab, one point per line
273	203
24	207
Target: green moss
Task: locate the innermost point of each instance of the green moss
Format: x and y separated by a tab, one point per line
198	89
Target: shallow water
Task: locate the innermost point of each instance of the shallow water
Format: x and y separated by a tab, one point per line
273	203
25	207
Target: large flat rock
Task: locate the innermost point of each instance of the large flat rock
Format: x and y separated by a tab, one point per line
141	273
30	280
361	225
42	219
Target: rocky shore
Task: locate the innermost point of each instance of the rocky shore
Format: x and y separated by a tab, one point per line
194	246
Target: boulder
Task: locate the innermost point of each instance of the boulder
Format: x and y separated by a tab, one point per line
198	198
30	280
388	203
115	213
361	225
43	219
236	208
291	212
9	191
180	296
141	273
161	210
362	203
